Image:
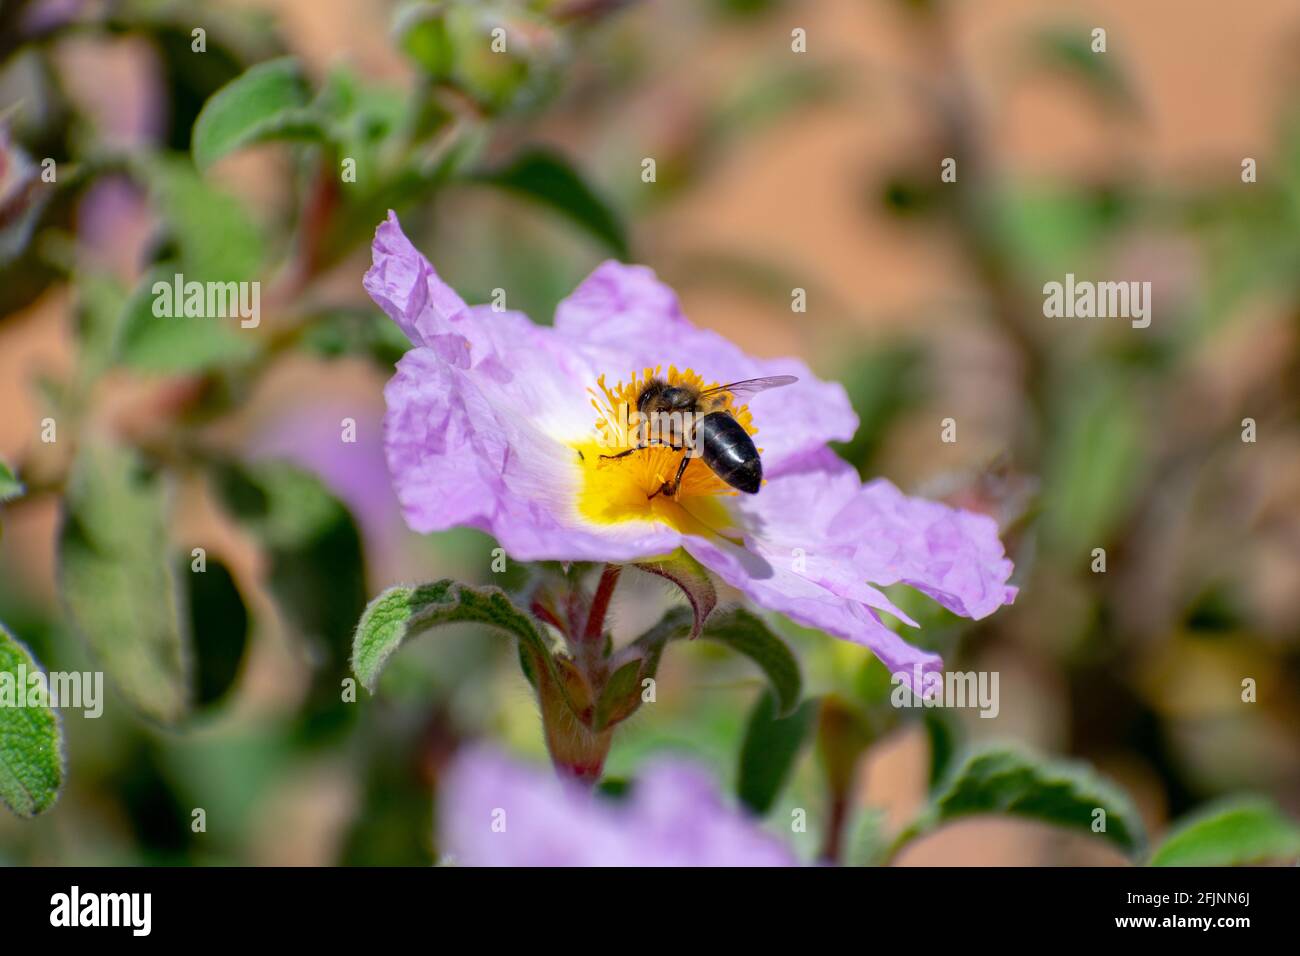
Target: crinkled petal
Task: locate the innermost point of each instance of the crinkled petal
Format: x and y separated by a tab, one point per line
818	541
794	520
467	449
950	554
496	812
405	285
776	586
851	532
503	346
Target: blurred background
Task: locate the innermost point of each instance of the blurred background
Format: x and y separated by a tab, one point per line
775	170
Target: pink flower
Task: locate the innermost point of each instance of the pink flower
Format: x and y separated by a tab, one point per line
499	424
496	812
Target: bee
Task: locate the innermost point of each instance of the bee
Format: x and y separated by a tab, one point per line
700	426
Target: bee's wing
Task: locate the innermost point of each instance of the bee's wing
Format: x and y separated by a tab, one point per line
750	386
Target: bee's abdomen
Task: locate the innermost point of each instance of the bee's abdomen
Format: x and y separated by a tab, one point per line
729	452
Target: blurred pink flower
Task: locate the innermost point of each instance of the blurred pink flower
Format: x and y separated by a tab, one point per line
494	811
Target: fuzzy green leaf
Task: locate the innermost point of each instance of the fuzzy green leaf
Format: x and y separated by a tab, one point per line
551	180
216	239
118	583
401	613
31	745
1097	459
694	581
867	843
176	344
268	101
1063	793
451	43
1231	833
739	630
749	634
620	697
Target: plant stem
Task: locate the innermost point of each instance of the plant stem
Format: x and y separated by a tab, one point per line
576	750
833	842
600	603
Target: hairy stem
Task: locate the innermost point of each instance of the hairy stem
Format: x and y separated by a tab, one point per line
600	603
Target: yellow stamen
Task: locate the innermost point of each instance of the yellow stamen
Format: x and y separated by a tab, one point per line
617	490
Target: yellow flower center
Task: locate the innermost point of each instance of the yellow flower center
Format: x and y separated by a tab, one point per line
615	490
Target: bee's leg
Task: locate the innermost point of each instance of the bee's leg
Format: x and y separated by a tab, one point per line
670	488
649	442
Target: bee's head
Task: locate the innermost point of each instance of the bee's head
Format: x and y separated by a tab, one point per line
651	397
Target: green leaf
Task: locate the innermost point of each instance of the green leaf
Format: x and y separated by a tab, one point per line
361	117
548	178
209	239
118	582
1095	464
749	634
31	745
1232	832
10	486
649	647
453	44
101	305
867	844
1050	229
267	101
1069	51
215	237
401	613
283	504
739	630
694	581
768	753
620	697
424	35
941	731
1063	793
176	344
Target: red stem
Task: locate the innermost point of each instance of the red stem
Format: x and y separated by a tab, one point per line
600	602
